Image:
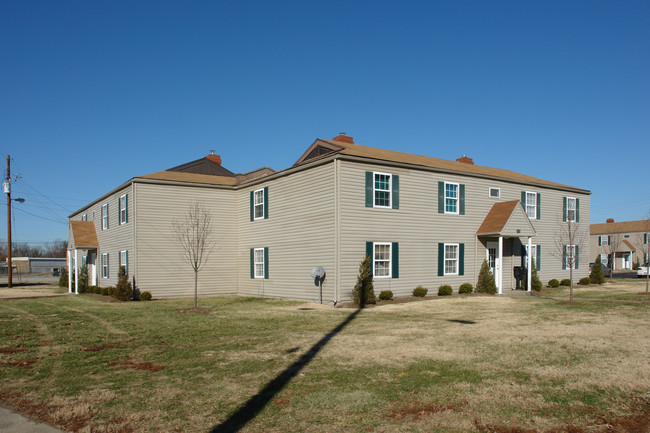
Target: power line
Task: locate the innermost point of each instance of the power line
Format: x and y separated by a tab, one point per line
38	216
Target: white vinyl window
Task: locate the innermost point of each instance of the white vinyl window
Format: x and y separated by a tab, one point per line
495	193
258	262
258	203
604	241
124	260
382	188
531	205
84	217
570	256
105	265
123	209
105	216
381	262
93	215
451	259
534	257
451	198
603	259
571	209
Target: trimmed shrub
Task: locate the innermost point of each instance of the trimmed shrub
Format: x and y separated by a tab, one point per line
103	291
585	281
145	296
83	279
123	291
565	282
597	276
485	283
465	288
420	291
445	290
536	284
385	295
553	283
364	291
63	279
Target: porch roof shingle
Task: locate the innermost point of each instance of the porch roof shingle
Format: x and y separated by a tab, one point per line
84	234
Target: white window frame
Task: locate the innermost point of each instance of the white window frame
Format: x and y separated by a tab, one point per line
124	260
123	209
376	260
93	215
84	217
571	206
603	259
567	249
534	248
105	216
455	261
455	200
104	265
531	205
258	262
388	191
604	241
498	192
258	204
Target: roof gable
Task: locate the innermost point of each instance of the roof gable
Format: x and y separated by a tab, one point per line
317	149
507	218
205	165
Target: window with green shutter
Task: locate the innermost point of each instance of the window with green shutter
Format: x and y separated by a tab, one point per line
384	259
259	204
451	198
382	190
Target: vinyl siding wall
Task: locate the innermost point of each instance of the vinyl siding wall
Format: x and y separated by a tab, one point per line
635	238
160	267
299	234
418	228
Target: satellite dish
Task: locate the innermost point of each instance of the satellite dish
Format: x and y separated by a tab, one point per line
318	273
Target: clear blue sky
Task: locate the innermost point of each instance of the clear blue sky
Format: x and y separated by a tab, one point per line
93	93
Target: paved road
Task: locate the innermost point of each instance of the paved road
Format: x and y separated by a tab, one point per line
11	422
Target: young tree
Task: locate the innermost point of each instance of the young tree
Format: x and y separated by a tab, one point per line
536	283
596	275
364	292
485	283
570	238
643	244
123	290
615	240
194	233
83	279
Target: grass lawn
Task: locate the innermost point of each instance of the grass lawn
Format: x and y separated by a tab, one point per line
455	364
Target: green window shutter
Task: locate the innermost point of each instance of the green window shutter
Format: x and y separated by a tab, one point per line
563	257
370	199
252	262
252	207
577	257
564	209
461	198
577	210
609	240
523	200
461	259
395	193
539	206
107	214
107	268
395	261
370	253
441	259
441	197
266	263
539	258
266	202
126	208
599	241
126	259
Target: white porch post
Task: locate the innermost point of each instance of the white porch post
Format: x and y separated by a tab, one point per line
69	257
76	274
529	260
499	266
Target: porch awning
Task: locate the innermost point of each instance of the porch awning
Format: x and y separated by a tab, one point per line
507	219
84	235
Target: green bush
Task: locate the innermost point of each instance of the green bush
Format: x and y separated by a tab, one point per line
145	296
445	290
63	279
420	291
83	279
364	291
103	291
385	295
565	282
585	281
553	283
123	291
597	276
485	283
465	288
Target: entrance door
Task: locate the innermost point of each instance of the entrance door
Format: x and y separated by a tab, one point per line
626	261
93	269
493	258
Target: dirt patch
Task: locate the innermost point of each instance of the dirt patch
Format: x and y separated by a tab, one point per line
417	410
194	310
569	303
12	349
26	364
103	298
147	365
103	347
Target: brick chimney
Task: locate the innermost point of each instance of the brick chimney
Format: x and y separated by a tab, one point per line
344	138
465	159
610	220
214	158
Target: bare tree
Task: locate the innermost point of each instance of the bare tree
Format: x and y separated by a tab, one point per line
614	244
194	234
642	241
570	238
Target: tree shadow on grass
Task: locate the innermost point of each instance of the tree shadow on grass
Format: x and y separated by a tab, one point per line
258	402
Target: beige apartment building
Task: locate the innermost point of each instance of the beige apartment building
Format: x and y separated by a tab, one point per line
619	244
422	220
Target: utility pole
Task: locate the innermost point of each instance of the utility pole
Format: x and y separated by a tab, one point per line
8	191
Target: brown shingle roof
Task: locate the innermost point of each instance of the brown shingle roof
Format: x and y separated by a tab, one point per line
497	218
443	164
179	176
622	227
84	234
626	242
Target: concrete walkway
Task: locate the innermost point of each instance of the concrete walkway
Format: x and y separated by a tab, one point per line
11	422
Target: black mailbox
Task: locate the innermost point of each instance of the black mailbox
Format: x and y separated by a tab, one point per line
519	275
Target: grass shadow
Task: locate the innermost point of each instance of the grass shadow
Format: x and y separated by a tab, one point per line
258	402
462	322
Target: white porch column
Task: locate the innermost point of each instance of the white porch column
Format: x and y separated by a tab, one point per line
76	273
69	257
499	266
529	261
